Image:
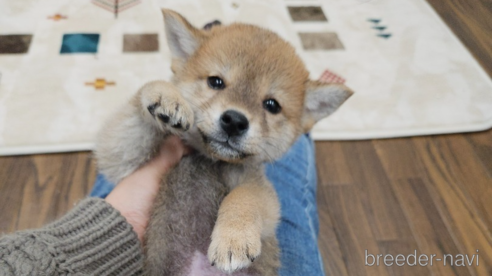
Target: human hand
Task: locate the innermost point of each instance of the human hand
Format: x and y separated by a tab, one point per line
135	194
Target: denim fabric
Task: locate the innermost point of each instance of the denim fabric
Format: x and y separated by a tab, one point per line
294	178
102	187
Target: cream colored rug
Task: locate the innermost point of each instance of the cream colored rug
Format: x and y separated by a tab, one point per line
66	65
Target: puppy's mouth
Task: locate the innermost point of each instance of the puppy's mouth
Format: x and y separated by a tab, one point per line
223	149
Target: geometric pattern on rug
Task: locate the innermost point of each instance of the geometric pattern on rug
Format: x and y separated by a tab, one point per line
307	13
79	43
140	43
57	17
15	44
100	83
320	41
116	6
384	35
380	29
330	77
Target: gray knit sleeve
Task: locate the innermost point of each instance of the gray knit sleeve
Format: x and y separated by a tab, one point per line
92	239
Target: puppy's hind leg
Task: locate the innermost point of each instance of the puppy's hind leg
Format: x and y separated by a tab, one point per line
132	136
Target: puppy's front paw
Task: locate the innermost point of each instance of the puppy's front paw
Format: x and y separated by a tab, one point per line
232	249
167	107
177	115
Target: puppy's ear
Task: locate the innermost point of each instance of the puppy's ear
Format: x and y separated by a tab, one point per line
182	37
322	99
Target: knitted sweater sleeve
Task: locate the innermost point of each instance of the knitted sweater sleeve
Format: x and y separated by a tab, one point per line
92	239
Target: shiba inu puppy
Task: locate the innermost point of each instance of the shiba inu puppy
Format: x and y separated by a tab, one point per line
240	96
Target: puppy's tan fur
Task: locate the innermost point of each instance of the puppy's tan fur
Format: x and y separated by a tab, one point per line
217	201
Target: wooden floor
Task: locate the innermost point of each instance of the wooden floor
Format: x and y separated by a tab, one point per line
430	194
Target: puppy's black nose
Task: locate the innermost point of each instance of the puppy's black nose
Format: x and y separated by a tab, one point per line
234	123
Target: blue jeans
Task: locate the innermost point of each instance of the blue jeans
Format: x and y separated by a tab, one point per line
294	178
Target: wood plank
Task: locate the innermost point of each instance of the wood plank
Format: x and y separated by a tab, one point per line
482	145
400	159
380	204
472	24
329	246
352	229
430	231
45	187
405	248
452	163
459	188
15	173
434	165
332	164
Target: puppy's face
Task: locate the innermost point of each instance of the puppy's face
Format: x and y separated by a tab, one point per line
249	90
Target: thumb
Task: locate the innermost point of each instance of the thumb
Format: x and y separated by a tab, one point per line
170	153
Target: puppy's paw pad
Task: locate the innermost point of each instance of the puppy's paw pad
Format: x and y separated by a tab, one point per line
232	250
165	105
164	118
151	108
173	114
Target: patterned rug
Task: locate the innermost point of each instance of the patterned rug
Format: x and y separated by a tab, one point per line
66	65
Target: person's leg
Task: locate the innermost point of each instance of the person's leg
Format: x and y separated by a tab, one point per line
102	187
294	178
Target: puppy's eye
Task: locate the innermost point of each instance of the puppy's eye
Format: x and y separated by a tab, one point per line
272	106
215	83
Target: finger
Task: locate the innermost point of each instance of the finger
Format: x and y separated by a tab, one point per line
170	153
187	150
